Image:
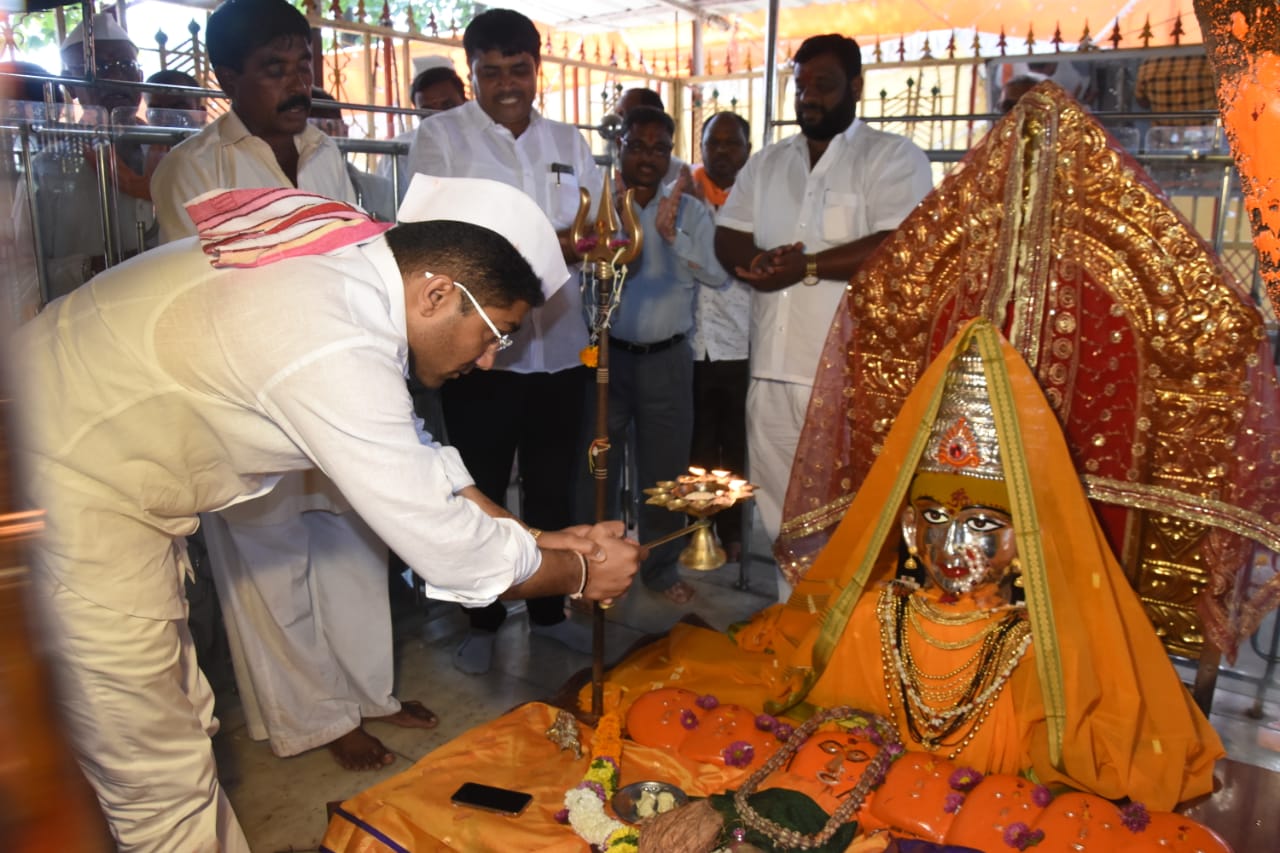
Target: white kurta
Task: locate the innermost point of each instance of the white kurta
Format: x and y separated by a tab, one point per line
164	388
866	181
294	621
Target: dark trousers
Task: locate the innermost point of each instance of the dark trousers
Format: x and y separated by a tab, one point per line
652	394
720	428
495	417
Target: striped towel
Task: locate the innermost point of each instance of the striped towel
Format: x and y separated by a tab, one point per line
253	228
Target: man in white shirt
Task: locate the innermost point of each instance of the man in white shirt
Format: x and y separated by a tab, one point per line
531	404
802	217
304	535
167	387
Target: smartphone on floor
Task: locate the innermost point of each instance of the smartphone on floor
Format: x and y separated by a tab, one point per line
491	799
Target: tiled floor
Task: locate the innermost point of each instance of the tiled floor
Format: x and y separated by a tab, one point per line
281	802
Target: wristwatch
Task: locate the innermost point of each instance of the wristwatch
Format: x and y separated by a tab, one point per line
810	270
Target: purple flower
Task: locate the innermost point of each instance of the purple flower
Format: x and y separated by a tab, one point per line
1134	817
738	754
895	751
688	719
739	834
1041	796
1019	836
594	787
965	779
707	702
766	723
783	731
586	244
953	802
616	242
562	816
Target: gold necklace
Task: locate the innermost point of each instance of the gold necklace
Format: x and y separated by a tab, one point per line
917	622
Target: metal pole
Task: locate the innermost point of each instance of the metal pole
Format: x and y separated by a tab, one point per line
33	210
102	149
770	68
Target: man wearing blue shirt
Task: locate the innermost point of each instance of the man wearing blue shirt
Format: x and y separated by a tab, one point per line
650	359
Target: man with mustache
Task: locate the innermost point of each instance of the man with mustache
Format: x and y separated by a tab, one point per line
802	217
650	360
261	54
263	551
529	407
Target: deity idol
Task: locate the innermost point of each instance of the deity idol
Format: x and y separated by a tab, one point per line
1008	640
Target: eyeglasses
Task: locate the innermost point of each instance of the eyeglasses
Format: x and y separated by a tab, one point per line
639	149
501	341
120	69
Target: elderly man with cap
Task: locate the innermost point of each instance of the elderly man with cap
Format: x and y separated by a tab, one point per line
188	395
69	204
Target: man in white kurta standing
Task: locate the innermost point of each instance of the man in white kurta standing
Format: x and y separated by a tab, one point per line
529	408
277	560
167	387
802	217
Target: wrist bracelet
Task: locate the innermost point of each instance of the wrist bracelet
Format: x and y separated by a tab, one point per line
582	586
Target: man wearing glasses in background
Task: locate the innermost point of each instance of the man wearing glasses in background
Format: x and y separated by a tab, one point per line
530	404
68	199
650	356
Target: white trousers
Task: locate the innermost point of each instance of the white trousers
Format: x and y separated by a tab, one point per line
775	416
304	598
140	714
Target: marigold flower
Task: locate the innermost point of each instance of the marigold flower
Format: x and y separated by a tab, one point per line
590	356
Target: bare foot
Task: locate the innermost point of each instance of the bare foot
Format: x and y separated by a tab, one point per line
412	715
679	593
359	750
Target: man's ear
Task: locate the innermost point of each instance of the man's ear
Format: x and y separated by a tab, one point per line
855	86
228	79
432	295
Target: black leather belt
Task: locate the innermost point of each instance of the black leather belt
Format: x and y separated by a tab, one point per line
645	349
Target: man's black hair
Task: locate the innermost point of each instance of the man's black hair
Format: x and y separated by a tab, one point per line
483	260
432	76
645	97
503	30
742	123
174	77
239	27
647	116
843	48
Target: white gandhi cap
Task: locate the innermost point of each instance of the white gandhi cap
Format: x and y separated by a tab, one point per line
105	28
435	60
494	205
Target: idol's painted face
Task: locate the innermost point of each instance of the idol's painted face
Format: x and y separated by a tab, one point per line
961	530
